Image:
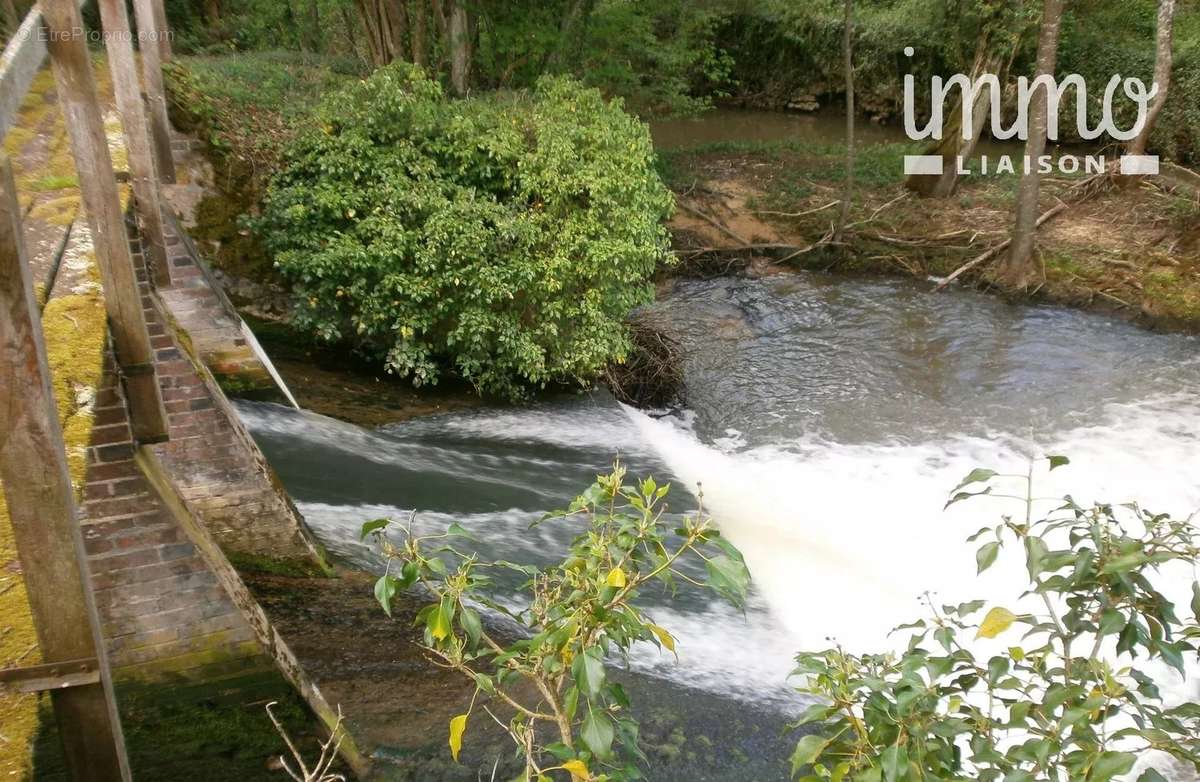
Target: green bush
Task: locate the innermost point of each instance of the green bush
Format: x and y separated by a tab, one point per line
504	238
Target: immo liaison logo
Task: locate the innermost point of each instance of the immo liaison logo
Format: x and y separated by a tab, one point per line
972	95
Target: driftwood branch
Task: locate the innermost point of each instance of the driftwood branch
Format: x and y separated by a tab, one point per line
1087	188
714	223
797	214
995	250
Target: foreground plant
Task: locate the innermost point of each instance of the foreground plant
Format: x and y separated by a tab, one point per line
1071	699
568	716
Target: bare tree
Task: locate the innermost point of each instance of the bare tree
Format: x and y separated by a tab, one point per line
1018	267
1163	60
329	750
848	64
419	13
386	26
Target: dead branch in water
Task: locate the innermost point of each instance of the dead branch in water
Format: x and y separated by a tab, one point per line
995	250
652	373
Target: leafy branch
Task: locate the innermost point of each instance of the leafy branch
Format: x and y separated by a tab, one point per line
569	716
1040	711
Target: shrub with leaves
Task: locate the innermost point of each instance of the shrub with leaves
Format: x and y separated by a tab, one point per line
1070	699
505	237
568	715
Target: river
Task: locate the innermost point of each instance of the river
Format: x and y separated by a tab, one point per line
826	420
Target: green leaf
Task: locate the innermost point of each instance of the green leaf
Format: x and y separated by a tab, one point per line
471	625
597	734
729	577
457	530
895	762
1196	600
1150	775
1058	461
1125	562
588	670
373	526
978	475
1111	764
385	589
985	557
1035	556
808	750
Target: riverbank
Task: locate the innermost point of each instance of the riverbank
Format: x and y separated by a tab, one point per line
1132	250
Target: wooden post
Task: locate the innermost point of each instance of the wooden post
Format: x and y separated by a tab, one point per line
37	487
165	52
137	140
102	202
152	28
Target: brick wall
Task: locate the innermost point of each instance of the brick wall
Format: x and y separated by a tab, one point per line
210	457
163	610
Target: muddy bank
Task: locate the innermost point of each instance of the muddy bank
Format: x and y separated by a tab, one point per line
1133	251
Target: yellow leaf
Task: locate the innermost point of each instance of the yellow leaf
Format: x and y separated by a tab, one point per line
577	768
997	621
616	578
663	636
458	725
1017	653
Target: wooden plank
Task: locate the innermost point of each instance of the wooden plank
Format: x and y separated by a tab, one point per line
52	676
119	44
101	201
41	506
152	28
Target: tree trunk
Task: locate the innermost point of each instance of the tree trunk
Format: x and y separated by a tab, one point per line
1163	61
848	64
212	13
350	29
314	27
952	145
1018	267
373	25
459	42
571	33
419	17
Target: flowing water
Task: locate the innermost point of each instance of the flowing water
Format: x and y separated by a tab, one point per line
826	420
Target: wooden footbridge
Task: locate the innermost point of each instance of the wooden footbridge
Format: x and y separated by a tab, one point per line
123	539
